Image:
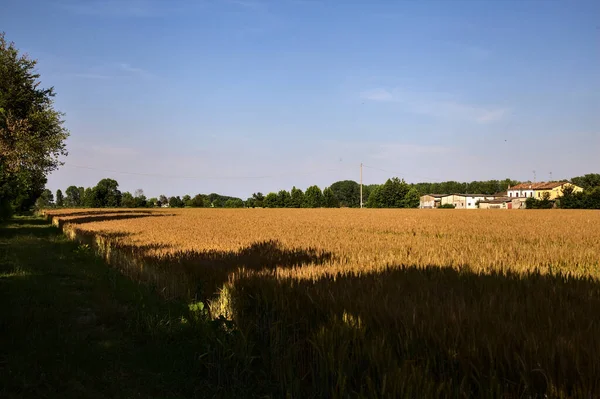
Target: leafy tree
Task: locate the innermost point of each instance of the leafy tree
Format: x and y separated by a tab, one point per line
89	198
447	206
271	201
593	199
367	189
394	191
329	199
81	196
199	201
127	200
391	195
139	199
140	202
348	193
107	194
412	198
234	203
73	198
46	200
151	202
571	199
296	198
375	199
589	199
250	203
59	198
32	134
474	187
217	200
313	197
587	182
187	200
28	186
175	202
162	200
258	199
283	199
531	203
544	203
6	208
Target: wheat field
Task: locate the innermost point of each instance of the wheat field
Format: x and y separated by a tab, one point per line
381	303
363	241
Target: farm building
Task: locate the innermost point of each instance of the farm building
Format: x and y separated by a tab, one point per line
465	201
431	201
503	203
538	190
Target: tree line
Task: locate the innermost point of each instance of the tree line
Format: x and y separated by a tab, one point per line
394	193
106	194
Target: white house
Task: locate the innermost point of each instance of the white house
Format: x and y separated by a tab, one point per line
523	190
552	190
465	201
431	200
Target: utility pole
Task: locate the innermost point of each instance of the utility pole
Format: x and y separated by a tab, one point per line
534	176
361	196
550	176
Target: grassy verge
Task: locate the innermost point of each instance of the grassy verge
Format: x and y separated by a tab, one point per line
71	327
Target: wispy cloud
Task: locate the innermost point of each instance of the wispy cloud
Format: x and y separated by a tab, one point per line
395	150
90	76
477	53
135	71
246	3
307	2
439	105
114	151
384	149
378	95
111	8
471	52
402	158
128	8
113	71
255	17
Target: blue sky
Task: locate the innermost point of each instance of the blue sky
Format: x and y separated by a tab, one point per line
238	96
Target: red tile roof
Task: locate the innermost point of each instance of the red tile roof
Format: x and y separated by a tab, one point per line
538	186
498	200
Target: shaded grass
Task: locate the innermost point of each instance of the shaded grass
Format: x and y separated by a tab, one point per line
71	327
